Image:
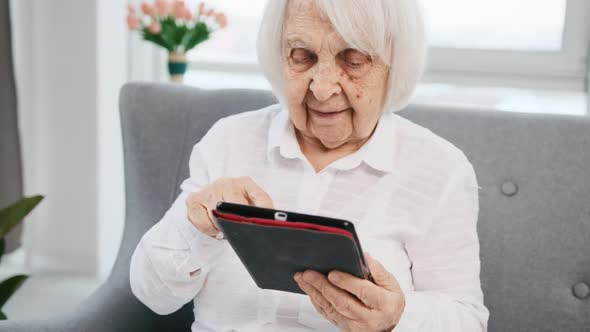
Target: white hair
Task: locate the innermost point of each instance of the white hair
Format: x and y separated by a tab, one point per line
392	30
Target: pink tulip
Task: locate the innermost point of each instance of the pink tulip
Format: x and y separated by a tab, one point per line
210	12
179	9
130	9
133	22
221	20
186	14
155	27
201	9
162	8
148	9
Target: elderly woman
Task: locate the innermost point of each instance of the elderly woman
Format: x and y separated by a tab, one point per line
333	146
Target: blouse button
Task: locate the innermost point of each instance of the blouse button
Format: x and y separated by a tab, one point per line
509	188
581	290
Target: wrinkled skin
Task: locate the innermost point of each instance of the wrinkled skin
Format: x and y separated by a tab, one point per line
354	304
323	74
335	97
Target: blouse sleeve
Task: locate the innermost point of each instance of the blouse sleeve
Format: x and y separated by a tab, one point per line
447	294
173	258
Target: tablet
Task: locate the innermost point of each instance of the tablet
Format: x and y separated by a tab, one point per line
273	245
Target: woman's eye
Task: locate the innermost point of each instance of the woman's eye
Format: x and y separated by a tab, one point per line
353	59
354	65
301	56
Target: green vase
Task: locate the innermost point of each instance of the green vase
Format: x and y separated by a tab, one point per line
177	66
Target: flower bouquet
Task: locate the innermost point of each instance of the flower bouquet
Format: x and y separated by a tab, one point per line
173	26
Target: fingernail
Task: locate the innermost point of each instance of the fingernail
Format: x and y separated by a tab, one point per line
297	276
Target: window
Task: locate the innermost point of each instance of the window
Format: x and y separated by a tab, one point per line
236	44
525	25
524	43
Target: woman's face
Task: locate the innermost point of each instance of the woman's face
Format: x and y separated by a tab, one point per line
335	93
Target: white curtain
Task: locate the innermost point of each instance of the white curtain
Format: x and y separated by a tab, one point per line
68	114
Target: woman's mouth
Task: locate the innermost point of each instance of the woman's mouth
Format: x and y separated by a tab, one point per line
326	114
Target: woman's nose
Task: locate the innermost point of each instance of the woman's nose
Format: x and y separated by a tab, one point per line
325	83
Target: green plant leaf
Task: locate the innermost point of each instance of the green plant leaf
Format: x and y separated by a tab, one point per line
12	215
177	37
156	39
2	247
9	286
179	33
187	38
3	316
200	33
168	33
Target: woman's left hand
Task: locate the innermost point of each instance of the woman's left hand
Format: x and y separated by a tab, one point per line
354	304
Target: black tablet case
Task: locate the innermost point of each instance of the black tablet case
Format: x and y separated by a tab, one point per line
273	254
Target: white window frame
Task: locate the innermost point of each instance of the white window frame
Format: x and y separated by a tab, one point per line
566	69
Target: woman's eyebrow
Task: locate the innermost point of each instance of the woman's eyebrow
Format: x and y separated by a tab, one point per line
296	43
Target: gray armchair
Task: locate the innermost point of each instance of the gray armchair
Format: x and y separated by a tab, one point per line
534	226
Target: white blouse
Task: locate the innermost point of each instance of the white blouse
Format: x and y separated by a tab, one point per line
412	196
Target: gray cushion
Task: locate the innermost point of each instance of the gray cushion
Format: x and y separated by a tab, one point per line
534	223
534	218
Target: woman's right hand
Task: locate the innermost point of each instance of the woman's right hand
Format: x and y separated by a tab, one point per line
242	190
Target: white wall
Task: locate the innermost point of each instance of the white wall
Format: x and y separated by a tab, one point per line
64	107
112	72
71	60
